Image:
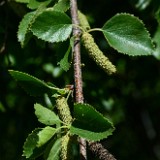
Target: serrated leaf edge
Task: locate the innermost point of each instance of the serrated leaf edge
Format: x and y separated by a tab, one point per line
46	10
86	104
41	81
36	129
149	36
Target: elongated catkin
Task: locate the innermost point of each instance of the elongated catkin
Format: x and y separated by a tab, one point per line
96	54
64	110
66	150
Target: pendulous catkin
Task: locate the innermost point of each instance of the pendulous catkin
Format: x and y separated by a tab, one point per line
64	110
66	150
96	54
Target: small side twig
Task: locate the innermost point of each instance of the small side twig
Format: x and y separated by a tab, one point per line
101	152
77	69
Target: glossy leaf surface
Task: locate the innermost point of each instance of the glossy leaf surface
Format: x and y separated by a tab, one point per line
127	34
90	124
52	26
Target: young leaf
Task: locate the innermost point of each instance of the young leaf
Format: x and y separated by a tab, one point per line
90	124
23	28
127	34
33	85
45	115
54	153
62	5
45	135
30	143
52	26
64	64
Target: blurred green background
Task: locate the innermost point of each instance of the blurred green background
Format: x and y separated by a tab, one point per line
131	98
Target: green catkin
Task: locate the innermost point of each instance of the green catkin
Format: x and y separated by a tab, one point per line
83	21
96	54
66	149
64	110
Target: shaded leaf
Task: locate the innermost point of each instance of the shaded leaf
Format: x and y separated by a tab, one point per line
52	26
90	124
30	143
45	135
157	16
55	150
36	142
22	1
33	85
156	39
127	35
45	115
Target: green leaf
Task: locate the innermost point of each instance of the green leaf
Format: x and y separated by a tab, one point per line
127	34
156	39
64	64
90	124
30	143
45	115
34	4
24	26
62	5
22	1
52	26
35	86
36	142
31	84
45	135
55	150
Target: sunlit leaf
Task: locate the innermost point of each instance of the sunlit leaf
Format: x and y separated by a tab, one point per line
127	34
34	4
45	115
62	5
52	26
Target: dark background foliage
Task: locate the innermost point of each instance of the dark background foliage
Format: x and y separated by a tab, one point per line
130	98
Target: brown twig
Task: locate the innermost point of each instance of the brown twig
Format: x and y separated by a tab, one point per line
101	152
77	68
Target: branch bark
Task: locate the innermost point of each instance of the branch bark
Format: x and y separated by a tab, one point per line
101	152
77	68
